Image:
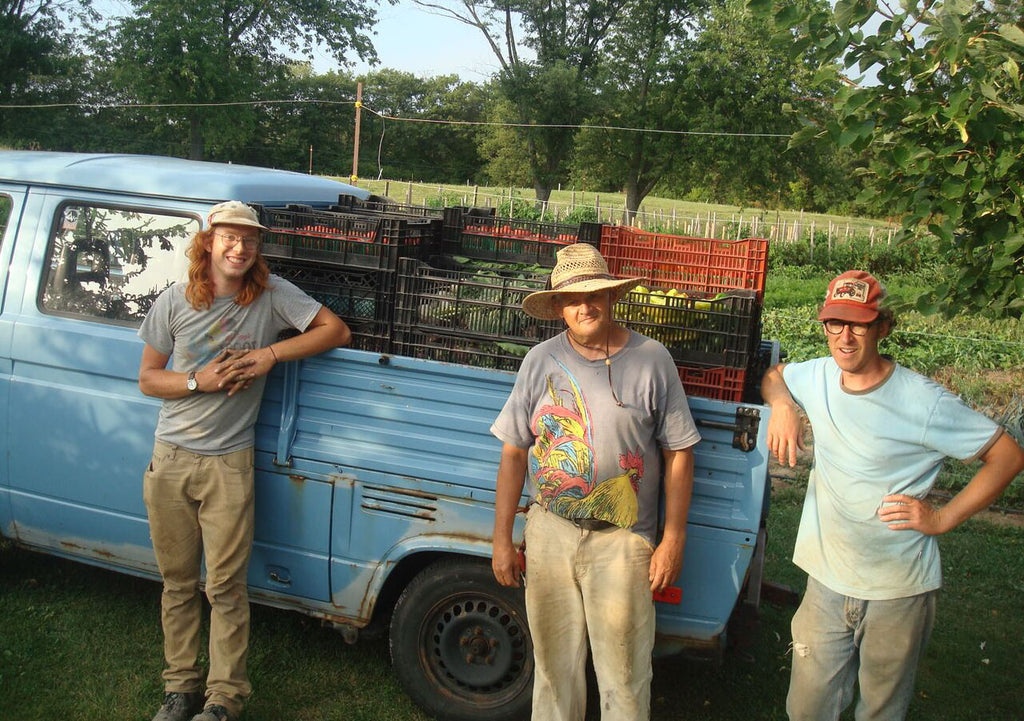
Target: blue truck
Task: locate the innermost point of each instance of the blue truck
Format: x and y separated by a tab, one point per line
375	471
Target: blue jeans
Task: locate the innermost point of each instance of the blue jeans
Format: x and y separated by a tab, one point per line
839	641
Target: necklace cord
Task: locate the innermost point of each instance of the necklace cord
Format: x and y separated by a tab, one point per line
607	360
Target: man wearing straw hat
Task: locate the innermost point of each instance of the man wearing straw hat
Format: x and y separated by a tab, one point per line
599	419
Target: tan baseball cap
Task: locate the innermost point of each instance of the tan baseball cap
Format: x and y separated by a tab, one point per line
233	212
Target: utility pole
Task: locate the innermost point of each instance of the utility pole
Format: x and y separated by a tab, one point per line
355	150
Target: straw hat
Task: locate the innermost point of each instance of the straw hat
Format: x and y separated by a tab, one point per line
579	268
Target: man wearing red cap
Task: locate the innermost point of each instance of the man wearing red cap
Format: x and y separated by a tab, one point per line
210	344
867	536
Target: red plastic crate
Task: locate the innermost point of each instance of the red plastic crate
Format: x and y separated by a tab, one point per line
724	384
515	240
704	264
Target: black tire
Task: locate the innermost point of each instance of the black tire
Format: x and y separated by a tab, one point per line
461	646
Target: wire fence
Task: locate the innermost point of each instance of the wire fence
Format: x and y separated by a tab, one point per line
714	222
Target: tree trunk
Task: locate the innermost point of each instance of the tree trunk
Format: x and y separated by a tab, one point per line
633	200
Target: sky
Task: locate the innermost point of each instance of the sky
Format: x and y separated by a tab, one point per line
409	38
406	38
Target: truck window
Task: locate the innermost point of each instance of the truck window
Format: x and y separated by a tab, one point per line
5	213
111	263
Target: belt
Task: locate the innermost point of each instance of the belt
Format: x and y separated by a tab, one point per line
591	524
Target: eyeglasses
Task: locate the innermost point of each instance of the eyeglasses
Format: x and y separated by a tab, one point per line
834	326
250	242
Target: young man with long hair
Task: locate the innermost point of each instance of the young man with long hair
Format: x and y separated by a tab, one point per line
210	344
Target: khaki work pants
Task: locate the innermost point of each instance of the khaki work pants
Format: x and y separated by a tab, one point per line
203	504
588	585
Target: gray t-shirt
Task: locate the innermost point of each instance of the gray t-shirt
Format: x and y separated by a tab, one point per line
213	423
590	458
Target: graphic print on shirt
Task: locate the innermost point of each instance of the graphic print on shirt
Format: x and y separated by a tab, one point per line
563	462
221	335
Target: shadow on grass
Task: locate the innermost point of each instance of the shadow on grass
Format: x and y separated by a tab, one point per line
82	643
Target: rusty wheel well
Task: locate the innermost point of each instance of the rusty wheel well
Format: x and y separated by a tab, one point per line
407	569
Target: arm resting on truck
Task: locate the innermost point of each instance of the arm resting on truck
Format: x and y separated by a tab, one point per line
785	428
232	370
511	476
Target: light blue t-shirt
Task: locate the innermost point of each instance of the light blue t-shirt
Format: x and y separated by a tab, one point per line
590	457
892	438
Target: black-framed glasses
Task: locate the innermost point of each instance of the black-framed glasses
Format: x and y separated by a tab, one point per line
252	242
834	326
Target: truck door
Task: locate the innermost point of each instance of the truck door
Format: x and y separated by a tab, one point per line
80	433
12	200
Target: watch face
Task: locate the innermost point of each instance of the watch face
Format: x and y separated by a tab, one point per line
192	384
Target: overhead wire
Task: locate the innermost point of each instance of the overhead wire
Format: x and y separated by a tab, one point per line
387	116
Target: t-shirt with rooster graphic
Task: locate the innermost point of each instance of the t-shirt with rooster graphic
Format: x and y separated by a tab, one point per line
590	457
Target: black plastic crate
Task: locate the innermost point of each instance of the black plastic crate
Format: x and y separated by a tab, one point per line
456	217
521	241
379	205
699	329
363	298
349	239
478	303
451	348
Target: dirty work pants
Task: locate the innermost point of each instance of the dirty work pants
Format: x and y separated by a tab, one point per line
200	504
588	584
838	640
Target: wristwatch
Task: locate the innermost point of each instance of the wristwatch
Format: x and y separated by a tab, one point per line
192	384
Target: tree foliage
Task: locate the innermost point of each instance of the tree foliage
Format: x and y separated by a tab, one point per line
193	52
943	121
428	150
737	87
554	92
638	91
38	64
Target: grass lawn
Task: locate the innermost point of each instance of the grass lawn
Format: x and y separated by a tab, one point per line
84	644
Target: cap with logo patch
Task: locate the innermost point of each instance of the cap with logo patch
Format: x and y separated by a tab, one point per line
854	296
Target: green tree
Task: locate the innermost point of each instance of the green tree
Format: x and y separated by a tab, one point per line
194	52
39	64
554	92
440	149
638	91
736	83
943	119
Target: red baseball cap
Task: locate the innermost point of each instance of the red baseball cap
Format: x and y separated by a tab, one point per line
854	296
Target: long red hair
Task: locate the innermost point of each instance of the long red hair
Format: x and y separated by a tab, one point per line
199	292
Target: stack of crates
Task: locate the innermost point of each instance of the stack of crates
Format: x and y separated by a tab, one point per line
466	314
348	260
449	284
470	310
703	300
